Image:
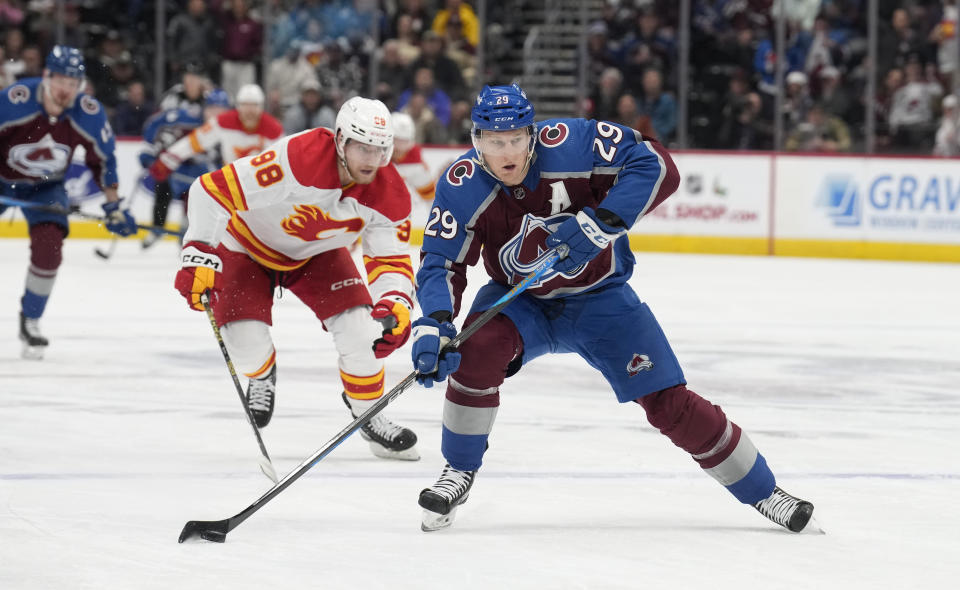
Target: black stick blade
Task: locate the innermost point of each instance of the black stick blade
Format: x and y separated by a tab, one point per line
208	530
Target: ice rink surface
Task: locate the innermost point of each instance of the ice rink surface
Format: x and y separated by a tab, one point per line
844	373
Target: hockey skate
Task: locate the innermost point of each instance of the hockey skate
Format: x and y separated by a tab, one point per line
441	500
387	440
150	239
260	396
787	511
34	344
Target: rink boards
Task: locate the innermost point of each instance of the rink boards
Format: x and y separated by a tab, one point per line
894	208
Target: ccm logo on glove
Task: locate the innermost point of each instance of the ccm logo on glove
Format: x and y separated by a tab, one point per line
193	257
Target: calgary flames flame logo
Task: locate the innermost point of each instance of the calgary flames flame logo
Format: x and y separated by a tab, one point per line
312	223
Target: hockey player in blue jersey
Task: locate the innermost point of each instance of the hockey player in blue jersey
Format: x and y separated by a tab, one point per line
162	130
42	121
525	189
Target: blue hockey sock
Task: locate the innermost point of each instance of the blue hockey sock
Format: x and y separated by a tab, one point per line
463	451
33	304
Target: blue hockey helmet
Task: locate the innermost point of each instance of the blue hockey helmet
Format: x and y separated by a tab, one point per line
499	108
66	61
217	97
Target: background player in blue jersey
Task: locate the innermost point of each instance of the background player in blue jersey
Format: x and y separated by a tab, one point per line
523	190
162	130
42	121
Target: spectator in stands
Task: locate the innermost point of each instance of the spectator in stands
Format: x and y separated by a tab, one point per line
132	113
11	15
242	47
820	132
460	127
193	37
425	84
285	78
600	54
446	72
460	50
6	77
463	16
32	62
188	93
628	113
607	94
834	97
797	99
743	126
429	129
120	73
659	105
944	36
339	71
947	141
417	16
310	111
897	41
912	124
408	39
393	75
883	103
659	46
13	48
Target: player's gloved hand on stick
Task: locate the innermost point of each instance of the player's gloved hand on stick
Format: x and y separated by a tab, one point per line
162	167
585	236
200	271
394	314
118	221
429	338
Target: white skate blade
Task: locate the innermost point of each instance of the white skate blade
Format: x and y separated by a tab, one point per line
32	353
410	454
434	522
813	528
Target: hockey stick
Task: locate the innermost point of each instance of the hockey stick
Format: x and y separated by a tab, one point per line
216	530
10	201
265	464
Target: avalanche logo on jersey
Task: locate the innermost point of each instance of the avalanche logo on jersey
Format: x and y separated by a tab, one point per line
43	159
312	223
552	136
639	362
523	253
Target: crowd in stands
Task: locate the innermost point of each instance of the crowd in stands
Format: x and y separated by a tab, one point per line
420	57
733	88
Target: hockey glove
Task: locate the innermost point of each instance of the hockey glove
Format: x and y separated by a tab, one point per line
200	271
429	338
585	236
394	314
119	221
163	166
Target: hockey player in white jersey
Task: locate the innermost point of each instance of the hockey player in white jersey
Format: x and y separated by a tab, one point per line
240	132
285	219
408	158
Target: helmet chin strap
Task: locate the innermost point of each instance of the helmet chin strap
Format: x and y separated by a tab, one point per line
342	156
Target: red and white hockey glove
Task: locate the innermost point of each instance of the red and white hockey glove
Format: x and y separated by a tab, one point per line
394	314
200	271
163	166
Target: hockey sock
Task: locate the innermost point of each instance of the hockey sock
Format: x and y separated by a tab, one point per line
473	392
161	203
46	255
718	445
